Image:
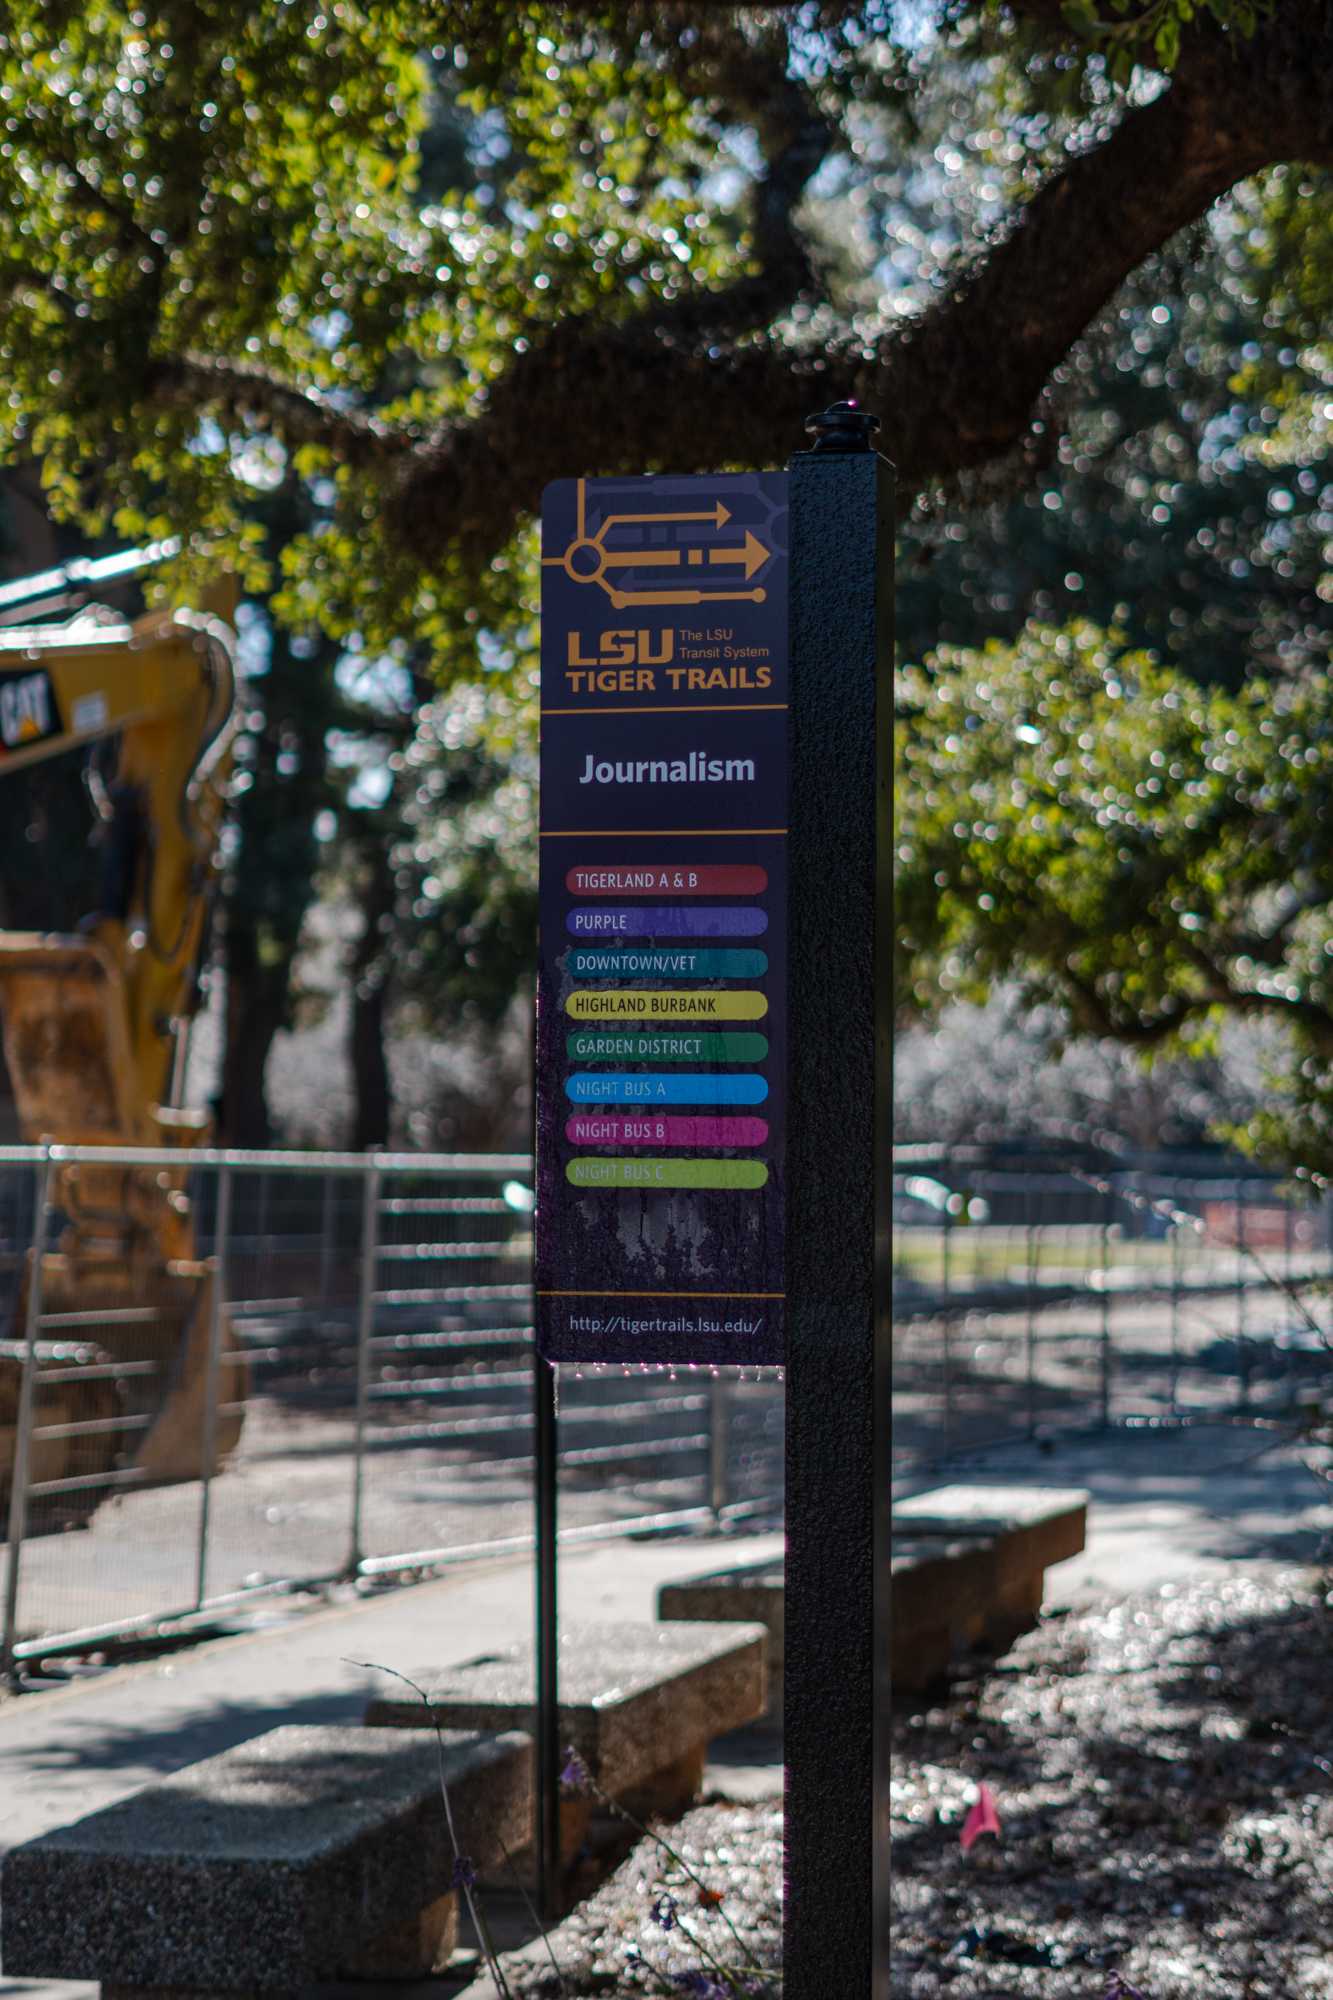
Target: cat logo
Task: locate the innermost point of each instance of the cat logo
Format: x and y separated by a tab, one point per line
27	710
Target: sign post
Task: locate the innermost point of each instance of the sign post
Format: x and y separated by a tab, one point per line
713	1135
839	1205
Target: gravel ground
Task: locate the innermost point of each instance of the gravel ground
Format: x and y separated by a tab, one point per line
1162	1772
650	1928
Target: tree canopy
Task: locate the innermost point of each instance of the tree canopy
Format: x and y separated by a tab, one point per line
1151	854
226	246
334	289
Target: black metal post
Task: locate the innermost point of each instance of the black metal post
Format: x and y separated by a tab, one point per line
838	1217
547	1830
1108	1210
1242	1318
1031	1276
1176	1196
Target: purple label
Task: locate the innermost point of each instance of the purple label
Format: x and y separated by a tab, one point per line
663	817
696	920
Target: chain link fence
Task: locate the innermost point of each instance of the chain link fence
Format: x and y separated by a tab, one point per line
1029	1300
339	1387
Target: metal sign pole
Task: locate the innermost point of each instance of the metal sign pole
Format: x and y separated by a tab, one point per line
547	1789
838	1217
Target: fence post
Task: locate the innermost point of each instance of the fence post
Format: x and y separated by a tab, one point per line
719	1406
365	1320
221	1231
946	1324
1108	1202
1242	1317
1031	1268
18	1492
1176	1198
326	1212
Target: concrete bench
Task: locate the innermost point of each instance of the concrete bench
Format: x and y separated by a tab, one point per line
639	1703
753	1593
944	1592
936	1585
968	1567
304	1855
1031	1527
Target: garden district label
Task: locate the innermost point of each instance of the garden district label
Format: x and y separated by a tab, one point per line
662	1012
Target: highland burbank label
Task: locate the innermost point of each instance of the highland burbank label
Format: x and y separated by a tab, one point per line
662	1014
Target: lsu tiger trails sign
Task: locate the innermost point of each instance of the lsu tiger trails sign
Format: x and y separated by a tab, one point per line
662	1016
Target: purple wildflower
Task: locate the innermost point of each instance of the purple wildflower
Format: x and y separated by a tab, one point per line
575	1777
465	1873
664	1912
701	1984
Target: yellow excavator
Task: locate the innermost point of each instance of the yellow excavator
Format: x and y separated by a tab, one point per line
95	1021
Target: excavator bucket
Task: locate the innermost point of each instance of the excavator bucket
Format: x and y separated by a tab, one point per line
175	1446
66	1043
124	1280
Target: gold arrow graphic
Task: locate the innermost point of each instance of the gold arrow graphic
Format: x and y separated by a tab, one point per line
587	558
640	558
718	515
753	555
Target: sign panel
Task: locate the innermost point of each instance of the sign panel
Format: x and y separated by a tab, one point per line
662	1012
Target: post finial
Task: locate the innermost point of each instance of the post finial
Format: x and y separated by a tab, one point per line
843	427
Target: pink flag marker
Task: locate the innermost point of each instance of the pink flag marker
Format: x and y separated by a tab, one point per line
981	1818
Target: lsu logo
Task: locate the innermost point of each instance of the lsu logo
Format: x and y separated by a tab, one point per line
27	709
624	649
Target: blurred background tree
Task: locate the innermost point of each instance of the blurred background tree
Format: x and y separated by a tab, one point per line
333	291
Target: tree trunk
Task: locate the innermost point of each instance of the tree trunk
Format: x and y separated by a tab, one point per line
272	884
370	1068
256	1009
371	960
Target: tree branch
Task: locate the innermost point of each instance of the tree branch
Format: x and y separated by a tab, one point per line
956	388
298	416
746	72
1144	1031
1093	1016
690	385
1299	1010
748	76
1269	946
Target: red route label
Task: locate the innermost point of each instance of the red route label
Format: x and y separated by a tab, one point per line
666	879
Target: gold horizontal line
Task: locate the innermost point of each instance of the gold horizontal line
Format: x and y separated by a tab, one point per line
661	1295
660	832
693	708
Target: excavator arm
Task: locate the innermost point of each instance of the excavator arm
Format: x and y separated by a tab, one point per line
95	1023
96	1020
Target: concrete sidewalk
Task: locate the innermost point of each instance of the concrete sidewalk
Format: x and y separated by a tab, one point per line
1168	1506
64	1752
